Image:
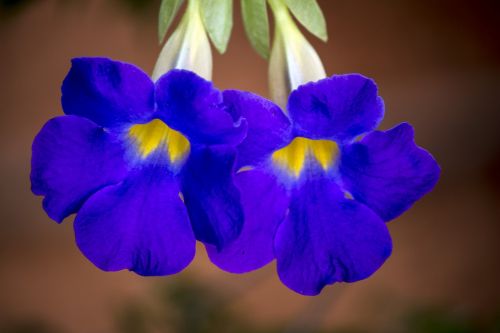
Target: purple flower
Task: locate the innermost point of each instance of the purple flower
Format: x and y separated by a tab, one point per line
319	183
123	154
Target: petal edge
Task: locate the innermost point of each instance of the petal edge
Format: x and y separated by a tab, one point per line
340	107
327	238
387	171
72	157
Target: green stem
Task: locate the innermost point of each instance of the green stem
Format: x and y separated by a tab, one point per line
281	14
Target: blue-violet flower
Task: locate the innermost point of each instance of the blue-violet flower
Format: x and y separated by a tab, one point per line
318	183
147	166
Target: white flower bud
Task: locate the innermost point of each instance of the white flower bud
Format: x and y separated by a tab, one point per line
187	48
293	60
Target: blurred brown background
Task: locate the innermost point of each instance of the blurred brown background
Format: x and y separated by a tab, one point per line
437	64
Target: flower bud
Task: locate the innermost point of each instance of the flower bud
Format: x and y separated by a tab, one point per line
293	60
188	47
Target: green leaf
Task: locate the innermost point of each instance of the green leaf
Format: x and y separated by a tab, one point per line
218	19
310	15
256	25
168	10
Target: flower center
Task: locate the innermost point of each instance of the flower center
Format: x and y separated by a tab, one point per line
293	156
156	134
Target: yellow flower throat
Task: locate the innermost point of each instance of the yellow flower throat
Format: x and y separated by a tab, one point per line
156	134
293	157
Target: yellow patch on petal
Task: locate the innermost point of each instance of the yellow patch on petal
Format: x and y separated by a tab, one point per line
245	168
348	195
293	156
156	134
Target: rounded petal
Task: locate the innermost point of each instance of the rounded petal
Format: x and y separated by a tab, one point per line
265	203
72	158
387	171
268	127
340	107
108	92
212	199
192	106
140	224
327	238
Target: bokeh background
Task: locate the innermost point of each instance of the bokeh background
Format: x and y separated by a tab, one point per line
437	64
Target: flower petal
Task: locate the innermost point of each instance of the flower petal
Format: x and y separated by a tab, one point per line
191	105
340	107
268	127
108	92
327	238
72	158
265	203
140	224
212	199
387	171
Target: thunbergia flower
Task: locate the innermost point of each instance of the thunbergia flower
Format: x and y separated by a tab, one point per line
319	182
146	166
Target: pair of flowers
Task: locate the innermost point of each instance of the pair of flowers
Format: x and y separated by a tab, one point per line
150	168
